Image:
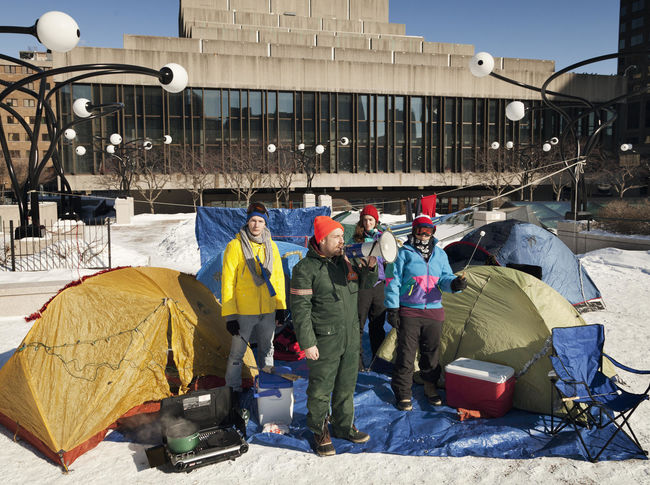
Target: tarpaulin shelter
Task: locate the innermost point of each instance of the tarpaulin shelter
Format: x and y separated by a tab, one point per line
530	248
216	226
504	316
99	351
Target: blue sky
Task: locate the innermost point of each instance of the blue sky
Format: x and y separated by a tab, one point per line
566	31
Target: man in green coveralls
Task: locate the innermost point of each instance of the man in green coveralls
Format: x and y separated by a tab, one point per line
324	289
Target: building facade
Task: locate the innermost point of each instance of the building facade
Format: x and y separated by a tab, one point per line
288	72
634	64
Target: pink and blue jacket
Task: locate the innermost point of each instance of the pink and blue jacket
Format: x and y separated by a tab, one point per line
416	283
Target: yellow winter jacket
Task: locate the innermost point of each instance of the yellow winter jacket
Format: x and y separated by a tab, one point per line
239	294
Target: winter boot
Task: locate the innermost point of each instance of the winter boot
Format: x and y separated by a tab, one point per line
323	443
404	405
432	394
355	436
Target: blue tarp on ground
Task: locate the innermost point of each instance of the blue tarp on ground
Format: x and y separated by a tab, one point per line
215	226
435	431
210	272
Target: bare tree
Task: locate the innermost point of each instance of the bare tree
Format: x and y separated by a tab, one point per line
629	172
494	168
244	171
529	164
151	176
282	169
120	169
198	169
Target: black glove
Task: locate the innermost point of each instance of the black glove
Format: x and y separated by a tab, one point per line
459	284
279	316
392	315
233	327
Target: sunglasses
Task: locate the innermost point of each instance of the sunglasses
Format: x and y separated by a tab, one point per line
256	207
423	231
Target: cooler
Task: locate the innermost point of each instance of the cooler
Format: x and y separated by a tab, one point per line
482	386
274	397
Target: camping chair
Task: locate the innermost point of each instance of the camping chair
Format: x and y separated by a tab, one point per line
590	398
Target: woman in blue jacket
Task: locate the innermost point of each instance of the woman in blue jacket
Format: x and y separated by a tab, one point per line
414	302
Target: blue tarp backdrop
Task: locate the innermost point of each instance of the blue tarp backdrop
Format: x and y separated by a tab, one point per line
215	226
435	431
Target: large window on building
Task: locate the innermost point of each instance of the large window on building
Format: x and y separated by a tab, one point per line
388	133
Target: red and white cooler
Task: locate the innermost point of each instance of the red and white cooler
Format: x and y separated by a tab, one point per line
482	386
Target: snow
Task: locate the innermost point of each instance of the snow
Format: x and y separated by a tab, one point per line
168	241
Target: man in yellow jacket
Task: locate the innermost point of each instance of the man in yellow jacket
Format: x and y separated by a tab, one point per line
252	292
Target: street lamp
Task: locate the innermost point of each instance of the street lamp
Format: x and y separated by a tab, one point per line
59	32
482	64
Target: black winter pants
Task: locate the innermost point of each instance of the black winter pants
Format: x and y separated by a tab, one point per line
371	306
413	334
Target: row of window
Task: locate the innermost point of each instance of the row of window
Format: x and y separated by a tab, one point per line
24	137
388	133
13	69
27	103
11	120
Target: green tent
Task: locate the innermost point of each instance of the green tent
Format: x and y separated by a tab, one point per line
504	316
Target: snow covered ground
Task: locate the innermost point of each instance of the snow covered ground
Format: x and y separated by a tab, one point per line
168	241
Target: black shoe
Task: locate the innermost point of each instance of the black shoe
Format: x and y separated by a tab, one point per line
355	436
323	443
404	405
432	394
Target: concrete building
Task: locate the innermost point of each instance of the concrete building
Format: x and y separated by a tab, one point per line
24	104
634	45
313	71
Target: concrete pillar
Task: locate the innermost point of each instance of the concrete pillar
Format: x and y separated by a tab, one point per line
569	233
308	200
123	210
485	217
325	200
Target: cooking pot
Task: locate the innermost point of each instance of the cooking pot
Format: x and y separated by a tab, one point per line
182	436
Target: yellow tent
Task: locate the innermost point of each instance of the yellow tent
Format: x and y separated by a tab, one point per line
100	349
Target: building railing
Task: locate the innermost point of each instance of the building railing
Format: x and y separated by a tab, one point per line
64	245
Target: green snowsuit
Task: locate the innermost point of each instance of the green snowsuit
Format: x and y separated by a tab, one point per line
324	313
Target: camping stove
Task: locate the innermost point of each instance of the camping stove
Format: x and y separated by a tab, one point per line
215	444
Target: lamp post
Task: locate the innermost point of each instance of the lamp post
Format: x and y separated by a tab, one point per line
307	158
482	64
59	32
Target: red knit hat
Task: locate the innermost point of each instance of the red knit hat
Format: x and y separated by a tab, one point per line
370	210
323	225
422	220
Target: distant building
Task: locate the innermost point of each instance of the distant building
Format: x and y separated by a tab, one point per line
24	105
312	71
634	41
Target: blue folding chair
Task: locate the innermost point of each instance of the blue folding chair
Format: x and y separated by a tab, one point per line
589	397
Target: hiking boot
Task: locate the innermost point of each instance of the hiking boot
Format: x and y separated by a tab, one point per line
355	436
323	443
432	394
404	405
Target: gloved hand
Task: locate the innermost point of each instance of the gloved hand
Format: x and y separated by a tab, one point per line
233	327
392	315
279	316
459	284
